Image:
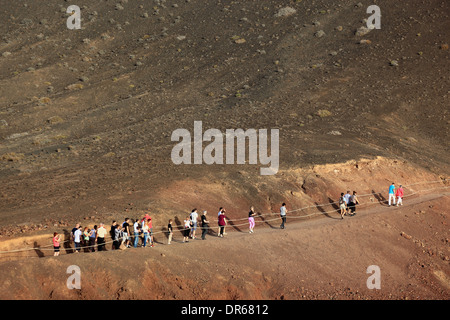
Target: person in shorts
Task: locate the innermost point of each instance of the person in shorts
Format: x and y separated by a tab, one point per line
56	243
194	219
187	229
342	205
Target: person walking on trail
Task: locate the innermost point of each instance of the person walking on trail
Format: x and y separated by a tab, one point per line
399	195
86	239
119	237
187	229
145	230
126	232
77	239
56	243
221	211
72	232
222	223
218	226
92	238
136	231
170	231
194	219
205	225
112	233
347	201
101	234
150	232
342	205
352	202
392	194
283	212
251	219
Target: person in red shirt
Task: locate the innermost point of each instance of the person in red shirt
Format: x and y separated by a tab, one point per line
222	223
399	195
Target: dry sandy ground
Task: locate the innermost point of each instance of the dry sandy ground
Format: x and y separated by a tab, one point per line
320	258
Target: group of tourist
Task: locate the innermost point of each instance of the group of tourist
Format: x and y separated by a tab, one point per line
347	204
143	229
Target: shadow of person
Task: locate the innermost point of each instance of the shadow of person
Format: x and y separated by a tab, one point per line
266	222
323	211
379	197
179	225
231	223
37	249
66	242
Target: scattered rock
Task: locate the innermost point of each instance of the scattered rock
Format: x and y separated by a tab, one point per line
324	113
362	31
319	34
406	236
365	41
285	12
55	120
394	63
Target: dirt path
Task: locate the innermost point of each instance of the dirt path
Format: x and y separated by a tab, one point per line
322	258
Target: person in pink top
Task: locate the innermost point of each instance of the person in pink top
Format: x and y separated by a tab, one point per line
399	195
56	243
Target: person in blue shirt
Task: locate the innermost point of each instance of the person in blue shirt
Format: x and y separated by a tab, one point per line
392	193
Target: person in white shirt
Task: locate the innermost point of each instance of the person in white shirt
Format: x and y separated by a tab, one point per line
347	199
136	233
283	212
77	239
194	218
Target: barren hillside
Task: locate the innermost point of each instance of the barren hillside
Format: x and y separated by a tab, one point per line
87	116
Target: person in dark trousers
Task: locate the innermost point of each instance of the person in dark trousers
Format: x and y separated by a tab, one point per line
222	224
101	234
205	225
283	212
353	201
